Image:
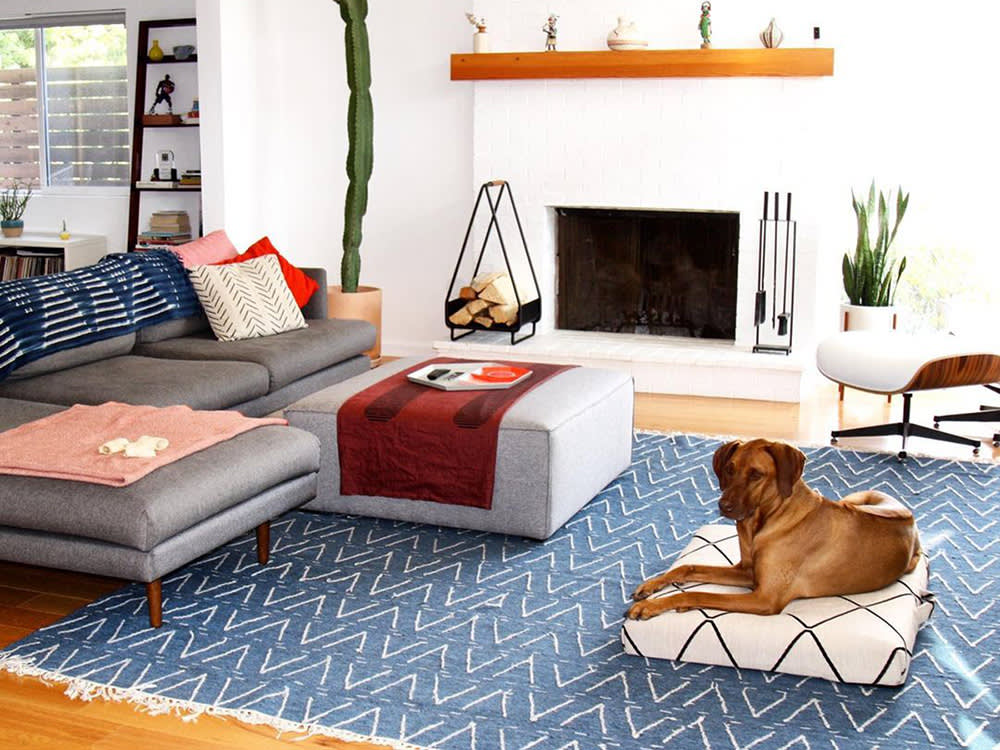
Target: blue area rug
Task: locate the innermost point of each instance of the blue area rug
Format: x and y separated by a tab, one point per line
435	637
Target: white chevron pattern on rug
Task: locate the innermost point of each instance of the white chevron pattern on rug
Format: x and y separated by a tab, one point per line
462	640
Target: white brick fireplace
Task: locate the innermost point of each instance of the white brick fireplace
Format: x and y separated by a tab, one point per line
675	144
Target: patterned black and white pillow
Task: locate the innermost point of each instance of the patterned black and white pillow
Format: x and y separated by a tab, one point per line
246	300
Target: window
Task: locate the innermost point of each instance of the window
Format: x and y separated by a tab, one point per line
64	100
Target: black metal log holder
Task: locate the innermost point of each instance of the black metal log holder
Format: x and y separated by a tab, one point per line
527	312
780	324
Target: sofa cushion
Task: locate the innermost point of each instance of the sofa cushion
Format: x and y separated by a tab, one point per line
211	248
170	329
246	300
142	380
149	511
15	412
78	355
301	285
287	356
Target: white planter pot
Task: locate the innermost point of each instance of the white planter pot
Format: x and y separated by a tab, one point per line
861	318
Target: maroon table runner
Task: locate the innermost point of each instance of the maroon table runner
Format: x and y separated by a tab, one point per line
401	439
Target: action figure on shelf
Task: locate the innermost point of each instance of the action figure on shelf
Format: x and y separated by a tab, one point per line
705	25
550	33
163	91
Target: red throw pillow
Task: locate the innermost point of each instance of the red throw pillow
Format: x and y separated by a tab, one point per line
302	285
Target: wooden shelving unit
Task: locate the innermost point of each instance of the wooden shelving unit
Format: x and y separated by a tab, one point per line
656	63
139	171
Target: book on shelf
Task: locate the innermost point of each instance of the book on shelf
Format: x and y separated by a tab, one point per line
156	184
14	267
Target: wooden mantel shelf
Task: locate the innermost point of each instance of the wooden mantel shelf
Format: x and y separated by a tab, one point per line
654	63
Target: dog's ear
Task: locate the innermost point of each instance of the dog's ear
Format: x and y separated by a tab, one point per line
788	463
722	455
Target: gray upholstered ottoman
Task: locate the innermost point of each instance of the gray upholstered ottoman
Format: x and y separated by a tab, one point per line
559	445
164	520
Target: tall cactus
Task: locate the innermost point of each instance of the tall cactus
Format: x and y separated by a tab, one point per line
360	118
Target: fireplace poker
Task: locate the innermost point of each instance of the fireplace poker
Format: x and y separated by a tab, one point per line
784	315
760	301
774	269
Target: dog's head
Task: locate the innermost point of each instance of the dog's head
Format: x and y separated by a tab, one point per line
755	474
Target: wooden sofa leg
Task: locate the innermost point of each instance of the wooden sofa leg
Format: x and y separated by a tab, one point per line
264	542
154	596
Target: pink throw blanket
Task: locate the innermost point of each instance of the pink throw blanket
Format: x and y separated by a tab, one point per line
65	445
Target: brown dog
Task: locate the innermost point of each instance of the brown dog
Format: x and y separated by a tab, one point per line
794	543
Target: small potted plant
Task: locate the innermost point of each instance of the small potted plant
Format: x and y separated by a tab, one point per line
870	276
13	201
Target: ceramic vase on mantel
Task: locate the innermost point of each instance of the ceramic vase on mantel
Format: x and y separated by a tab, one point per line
867	318
364	304
626	36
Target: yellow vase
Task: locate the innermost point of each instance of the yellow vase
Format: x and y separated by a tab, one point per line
155	53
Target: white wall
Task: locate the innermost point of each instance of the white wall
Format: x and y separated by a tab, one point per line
293	123
905	106
92	210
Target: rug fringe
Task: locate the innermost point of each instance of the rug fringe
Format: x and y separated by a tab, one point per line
84	690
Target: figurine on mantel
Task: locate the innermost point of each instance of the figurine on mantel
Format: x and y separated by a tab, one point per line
705	25
551	32
480	40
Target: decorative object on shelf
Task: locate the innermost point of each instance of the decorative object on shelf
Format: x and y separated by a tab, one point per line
705	25
165	169
480	40
781	271
155	53
163	91
183	51
64	234
551	32
195	111
360	135
870	277
13	200
626	35
772	36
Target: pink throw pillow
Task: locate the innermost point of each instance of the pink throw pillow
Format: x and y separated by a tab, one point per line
212	248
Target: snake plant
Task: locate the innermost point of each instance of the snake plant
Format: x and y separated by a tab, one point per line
870	278
360	116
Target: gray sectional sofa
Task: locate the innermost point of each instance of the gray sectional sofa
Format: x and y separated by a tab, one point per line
181	362
189	507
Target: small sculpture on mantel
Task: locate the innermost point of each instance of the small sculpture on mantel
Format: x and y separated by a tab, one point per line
551	32
480	40
772	36
705	25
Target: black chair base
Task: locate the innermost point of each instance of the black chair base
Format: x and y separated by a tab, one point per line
905	429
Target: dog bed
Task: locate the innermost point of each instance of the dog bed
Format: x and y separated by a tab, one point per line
861	638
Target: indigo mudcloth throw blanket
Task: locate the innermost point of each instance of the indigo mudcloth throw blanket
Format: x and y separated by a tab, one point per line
121	293
405	440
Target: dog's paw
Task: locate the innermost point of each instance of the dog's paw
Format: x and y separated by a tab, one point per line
646	589
643	610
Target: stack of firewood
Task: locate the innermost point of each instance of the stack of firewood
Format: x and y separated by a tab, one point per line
491	300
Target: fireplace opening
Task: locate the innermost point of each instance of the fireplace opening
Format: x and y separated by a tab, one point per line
664	273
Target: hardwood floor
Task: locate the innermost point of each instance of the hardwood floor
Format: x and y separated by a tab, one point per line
39	716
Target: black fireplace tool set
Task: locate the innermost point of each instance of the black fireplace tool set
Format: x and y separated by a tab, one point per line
777	323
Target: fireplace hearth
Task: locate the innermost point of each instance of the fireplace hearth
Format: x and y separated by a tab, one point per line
665	273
